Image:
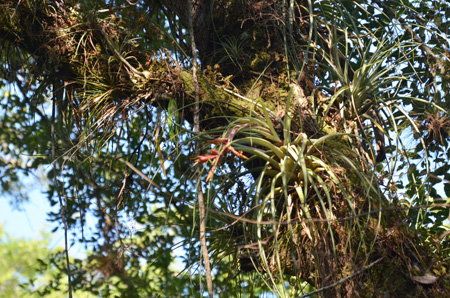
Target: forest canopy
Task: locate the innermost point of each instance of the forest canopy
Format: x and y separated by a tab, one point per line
234	147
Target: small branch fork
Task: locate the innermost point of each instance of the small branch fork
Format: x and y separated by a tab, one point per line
201	202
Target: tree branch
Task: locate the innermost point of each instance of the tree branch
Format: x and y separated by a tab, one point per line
201	202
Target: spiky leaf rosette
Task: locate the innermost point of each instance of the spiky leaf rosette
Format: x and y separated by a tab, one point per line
311	200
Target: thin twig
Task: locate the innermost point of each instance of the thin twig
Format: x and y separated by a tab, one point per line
241	217
201	202
416	37
61	205
343	279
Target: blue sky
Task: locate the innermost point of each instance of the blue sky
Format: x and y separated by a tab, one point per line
30	222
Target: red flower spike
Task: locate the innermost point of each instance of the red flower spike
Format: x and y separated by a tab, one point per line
200	159
214	155
211	173
204	158
213	152
238	154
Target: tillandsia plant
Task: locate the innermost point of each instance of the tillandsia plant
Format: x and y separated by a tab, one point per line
311	199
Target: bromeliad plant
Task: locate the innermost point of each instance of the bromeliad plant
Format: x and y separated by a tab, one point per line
305	185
